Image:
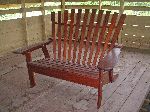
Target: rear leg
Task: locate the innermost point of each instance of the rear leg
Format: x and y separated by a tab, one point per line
111	79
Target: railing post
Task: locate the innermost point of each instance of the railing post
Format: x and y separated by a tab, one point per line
24	21
121	6
121	12
43	20
100	4
62	5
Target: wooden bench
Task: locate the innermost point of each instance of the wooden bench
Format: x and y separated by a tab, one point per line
84	47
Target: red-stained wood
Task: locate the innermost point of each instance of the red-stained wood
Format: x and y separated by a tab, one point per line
31	74
33	47
66	67
81	25
71	33
45	51
53	34
83	34
100	89
68	71
59	35
90	28
95	34
111	75
78	20
110	31
65	34
101	36
117	31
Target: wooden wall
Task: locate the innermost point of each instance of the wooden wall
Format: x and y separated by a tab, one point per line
136	32
28	30
14	35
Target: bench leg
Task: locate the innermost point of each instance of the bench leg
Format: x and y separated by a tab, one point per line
31	74
111	76
31	78
99	90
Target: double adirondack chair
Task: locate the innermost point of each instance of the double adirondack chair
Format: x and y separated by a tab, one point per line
85	48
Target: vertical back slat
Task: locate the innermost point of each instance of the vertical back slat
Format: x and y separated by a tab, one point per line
117	30
101	36
83	34
110	30
99	19
71	33
53	34
77	26
90	27
65	34
59	34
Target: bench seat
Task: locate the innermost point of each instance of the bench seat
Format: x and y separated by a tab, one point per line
72	72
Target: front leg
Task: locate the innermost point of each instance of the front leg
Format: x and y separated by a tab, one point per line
31	78
99	90
31	74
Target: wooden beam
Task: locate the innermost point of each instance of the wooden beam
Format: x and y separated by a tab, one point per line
82	6
13	11
100	4
121	7
137	8
24	21
63	4
10	5
121	12
43	19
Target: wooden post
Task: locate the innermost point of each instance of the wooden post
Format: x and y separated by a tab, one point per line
24	21
62	5
62	8
121	6
100	4
121	12
43	19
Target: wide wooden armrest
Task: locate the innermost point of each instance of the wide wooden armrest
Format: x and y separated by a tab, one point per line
110	60
33	47
118	45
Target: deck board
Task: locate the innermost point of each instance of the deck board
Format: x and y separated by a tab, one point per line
116	101
134	100
126	94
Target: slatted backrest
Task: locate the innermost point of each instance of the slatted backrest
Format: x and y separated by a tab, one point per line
86	36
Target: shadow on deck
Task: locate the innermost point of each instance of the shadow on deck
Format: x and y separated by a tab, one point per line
126	94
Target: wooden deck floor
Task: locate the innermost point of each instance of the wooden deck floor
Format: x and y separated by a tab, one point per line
126	94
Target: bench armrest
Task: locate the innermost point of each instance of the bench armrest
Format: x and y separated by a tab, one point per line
32	47
118	46
110	60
